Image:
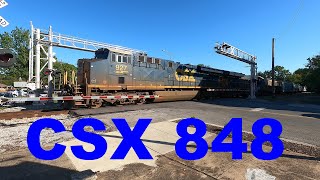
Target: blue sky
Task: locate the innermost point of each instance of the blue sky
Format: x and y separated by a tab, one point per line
188	29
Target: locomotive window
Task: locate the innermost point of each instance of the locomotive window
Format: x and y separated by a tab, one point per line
141	58
121	80
129	59
125	59
149	60
113	57
119	58
170	64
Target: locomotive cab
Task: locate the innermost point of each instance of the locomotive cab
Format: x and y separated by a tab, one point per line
110	70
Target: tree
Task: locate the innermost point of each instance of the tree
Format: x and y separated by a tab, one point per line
312	73
280	73
299	76
265	74
18	39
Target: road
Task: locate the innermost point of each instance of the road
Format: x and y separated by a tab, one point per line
299	123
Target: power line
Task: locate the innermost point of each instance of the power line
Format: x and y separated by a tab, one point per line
290	24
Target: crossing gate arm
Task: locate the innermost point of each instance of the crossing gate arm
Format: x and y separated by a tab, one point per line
73	98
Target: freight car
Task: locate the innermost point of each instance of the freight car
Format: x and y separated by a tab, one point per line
264	87
114	72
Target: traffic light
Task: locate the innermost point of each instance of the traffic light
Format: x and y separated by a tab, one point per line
7	58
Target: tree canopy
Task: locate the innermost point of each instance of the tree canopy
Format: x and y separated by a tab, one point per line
280	73
18	39
307	76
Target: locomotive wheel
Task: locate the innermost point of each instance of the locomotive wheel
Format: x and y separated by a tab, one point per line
140	101
94	104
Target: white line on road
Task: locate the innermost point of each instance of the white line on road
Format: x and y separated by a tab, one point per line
257	109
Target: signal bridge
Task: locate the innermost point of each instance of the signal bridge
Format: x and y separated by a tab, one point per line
47	38
235	53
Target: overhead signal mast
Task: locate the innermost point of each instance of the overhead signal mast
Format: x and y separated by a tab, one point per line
235	53
40	38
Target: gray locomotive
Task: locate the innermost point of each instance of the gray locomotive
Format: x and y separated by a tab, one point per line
115	72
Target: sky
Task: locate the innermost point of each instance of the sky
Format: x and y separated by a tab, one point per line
188	29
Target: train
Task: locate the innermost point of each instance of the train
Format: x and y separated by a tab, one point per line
264	87
114	72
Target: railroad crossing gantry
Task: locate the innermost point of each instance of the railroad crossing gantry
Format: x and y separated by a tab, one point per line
235	53
47	38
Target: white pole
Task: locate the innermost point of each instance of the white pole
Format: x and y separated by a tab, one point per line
31	70
38	46
50	63
30	60
50	54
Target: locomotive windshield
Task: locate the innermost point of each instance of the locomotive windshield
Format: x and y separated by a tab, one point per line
102	53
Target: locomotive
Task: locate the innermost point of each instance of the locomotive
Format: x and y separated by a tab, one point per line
120	72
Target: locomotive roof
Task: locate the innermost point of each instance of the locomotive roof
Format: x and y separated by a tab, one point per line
199	68
120	51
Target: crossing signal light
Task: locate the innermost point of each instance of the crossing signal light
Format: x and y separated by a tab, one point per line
7	58
54	72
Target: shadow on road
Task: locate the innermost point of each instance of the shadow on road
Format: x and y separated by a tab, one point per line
312	115
34	170
246	103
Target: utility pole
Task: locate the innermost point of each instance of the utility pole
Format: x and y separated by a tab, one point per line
273	88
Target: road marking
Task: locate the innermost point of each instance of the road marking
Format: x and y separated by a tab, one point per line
257	109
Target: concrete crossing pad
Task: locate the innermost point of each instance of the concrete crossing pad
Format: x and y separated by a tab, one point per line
159	138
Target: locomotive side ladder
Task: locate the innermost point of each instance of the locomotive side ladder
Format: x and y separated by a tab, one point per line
235	53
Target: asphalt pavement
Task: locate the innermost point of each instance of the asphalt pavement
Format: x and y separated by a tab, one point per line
300	122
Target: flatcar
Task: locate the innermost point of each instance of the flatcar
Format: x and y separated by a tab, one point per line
117	72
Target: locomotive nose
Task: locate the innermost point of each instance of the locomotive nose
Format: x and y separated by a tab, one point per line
7	57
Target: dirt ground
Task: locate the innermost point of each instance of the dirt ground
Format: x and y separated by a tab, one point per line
291	166
22	165
16	162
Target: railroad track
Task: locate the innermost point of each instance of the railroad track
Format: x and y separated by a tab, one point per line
30	114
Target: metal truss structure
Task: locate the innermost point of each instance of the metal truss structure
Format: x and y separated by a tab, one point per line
235	53
39	39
